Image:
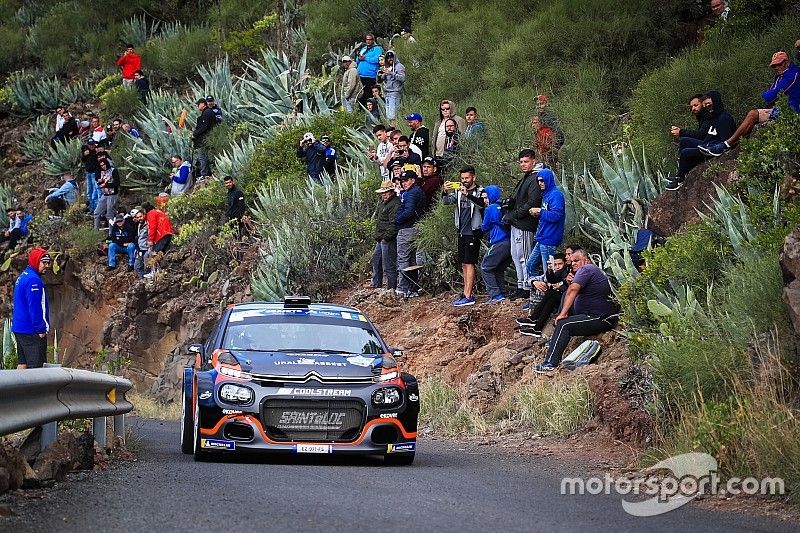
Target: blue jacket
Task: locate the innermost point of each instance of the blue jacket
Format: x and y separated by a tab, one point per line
68	191
23	225
368	67
551	218
789	83
493	217
31	313
412	207
314	154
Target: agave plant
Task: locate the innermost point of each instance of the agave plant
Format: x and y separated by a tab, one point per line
34	94
9	349
218	81
34	143
6	199
145	162
165	104
233	161
80	91
63	158
171	29
136	31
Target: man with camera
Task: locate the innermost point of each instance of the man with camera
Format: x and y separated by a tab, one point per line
527	195
403	151
313	152
129	62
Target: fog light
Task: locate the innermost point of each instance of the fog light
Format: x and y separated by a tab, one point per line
387	397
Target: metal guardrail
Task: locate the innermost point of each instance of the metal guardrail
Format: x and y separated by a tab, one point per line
39	396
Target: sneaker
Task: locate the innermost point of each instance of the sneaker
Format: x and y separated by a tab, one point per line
496	298
400	292
714	150
674	183
411	294
530	331
525	321
464	301
543	368
150	275
109	267
130	268
526	306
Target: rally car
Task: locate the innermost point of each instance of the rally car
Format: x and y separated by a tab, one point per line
297	377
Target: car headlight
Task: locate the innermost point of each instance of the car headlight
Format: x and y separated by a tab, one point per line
387	397
236	394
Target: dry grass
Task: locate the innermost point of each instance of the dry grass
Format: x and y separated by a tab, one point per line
146	407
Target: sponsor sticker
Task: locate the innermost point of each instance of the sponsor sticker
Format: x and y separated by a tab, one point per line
310	362
313	448
389	415
311	420
231	412
413	397
360	360
309	391
217	444
401	447
205	395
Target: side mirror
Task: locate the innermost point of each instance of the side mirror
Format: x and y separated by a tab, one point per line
195	348
397	353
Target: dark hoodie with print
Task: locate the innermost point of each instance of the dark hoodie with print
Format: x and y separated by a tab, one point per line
721	123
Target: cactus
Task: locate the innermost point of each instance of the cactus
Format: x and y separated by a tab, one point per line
63	158
34	143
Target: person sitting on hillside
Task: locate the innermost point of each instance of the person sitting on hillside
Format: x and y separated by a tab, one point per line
498	258
552	285
68	130
129	62
17	227
142	85
420	136
720	10
61	198
384	255
133	132
787	81
688	141
313	152
587	310
447	110
122	240
475	129
373	114
181	176
159	231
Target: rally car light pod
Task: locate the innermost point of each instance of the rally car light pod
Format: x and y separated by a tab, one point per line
233	373
388	376
236	394
387	397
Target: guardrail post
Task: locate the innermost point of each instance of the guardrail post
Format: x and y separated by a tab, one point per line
49	431
99	430
119	427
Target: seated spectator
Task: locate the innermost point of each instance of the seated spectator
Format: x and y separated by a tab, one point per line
498	258
18	222
377	92
331	155
452	144
60	199
587	310
431	181
689	139
181	176
68	131
384	255
405	33
552	288
787	81
159	231
373	115
475	129
122	240
142	85
133	132
720	10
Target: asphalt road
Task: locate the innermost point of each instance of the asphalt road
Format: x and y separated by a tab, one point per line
449	488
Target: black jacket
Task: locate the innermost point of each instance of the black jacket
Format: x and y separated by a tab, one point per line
526	195
385	229
89	160
722	125
421	139
703	123
236	206
143	88
68	131
205	122
126	234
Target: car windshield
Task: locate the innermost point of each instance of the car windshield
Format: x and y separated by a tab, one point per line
305	336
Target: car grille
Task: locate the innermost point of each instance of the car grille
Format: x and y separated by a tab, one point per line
313	420
268	380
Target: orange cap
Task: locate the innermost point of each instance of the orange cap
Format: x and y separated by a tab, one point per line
778	58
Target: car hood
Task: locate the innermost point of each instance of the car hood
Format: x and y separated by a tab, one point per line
301	364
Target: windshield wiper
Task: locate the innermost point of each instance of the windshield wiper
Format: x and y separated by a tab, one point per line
316	350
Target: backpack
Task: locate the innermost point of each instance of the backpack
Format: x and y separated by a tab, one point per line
583	355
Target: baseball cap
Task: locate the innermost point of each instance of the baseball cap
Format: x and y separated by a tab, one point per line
119	218
91	141
209	98
414	116
395	163
325	138
346	58
430	160
308	136
386	186
390	53
136	210
408	175
778	58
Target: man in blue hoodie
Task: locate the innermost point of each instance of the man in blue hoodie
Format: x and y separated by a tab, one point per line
498	258
551	217
412	207
313	152
367	59
30	319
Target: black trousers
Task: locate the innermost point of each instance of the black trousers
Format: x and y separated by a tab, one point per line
581	325
368	83
57	205
14	236
541	312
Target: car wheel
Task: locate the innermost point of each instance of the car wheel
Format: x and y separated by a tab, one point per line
187	424
398	459
200	455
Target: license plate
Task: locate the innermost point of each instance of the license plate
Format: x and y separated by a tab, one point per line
313	448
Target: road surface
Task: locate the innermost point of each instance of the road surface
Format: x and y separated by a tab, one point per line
449	488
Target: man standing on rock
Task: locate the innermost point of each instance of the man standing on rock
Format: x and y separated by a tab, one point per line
30	320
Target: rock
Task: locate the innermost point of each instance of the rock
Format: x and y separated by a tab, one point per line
86	451
5	480
12	468
31	447
790	265
58	458
674	209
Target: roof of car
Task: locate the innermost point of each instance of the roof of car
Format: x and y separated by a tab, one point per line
281	305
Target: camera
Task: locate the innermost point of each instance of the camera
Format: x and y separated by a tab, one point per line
507	204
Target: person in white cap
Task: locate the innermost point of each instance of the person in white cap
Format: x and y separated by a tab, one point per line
351	84
313	152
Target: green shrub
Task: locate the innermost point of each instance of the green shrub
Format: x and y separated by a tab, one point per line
205	204
248	41
121	101
106	84
12	46
772	154
82	239
175	57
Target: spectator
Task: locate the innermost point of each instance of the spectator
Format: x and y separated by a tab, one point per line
527	194
412	207
468	217
313	152
142	248
405	33
30	319
91	170
180	179
133	132
99	134
142	85
159	228
108	182
797	50
452	141
212	104
720	10
587	310
688	141
384	255
331	155
548	118
787	81
122	240
447	110
60	119
68	130
498	258
475	129
115	127
553	287
351	84
720	125
393	76
60	199
544	141
367	64
420	137
377	93
550	229
431	181
383	152
129	62
402	150
17	228
205	123
373	114
236	208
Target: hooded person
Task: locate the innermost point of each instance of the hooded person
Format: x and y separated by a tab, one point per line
30	319
351	84
373	115
498	258
447	109
550	230
721	123
689	155
393	76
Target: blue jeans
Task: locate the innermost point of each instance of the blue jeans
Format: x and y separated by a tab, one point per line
384	261
688	155
494	265
537	262
114	249
392	103
93	192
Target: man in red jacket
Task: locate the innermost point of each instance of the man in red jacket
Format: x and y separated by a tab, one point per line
129	62
159	228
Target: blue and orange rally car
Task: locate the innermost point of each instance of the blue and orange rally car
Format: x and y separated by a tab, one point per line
297	377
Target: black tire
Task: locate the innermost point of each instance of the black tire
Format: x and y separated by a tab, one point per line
187	425
200	455
403	459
